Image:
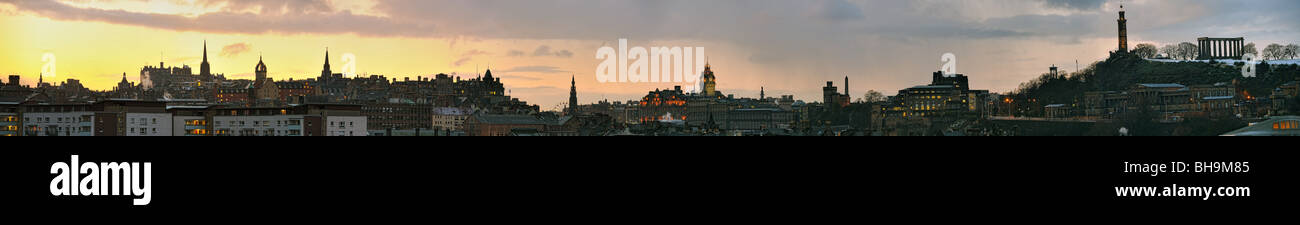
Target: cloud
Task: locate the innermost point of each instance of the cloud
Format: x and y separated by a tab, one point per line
262	6
467	56
840	10
183	60
536	88
546	51
515	53
1075	4
234	50
536	69
461	61
564	54
475	52
281	17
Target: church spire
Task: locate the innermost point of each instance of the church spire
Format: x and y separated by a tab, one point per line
326	74
205	69
573	94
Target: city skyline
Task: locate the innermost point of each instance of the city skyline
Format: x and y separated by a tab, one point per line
998	44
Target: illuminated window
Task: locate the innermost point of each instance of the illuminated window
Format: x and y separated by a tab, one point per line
1287	125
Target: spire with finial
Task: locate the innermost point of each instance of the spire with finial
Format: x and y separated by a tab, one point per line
261	66
573	94
205	69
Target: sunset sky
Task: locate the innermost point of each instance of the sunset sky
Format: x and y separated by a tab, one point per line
786	46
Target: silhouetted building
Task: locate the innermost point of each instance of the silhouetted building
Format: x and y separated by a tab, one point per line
832	98
1168	101
710	82
205	69
264	92
947	97
300	120
103	118
513	125
659	103
573	96
1220	48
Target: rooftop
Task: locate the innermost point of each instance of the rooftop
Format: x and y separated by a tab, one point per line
1276	126
519	119
1163	85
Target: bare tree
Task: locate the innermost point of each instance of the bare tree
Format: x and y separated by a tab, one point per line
1250	49
1146	51
873	96
1171	51
1273	52
1291	51
1188	50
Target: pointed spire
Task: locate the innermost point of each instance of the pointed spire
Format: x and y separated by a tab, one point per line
205	50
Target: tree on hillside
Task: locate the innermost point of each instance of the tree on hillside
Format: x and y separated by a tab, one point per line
1141	121
1291	51
1188	50
1146	51
1273	52
873	96
1170	51
1250	49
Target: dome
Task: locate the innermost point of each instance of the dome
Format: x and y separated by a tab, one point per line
261	67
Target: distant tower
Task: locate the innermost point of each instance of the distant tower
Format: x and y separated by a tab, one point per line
762	93
573	95
326	73
710	82
205	70
260	70
846	86
1123	31
1054	70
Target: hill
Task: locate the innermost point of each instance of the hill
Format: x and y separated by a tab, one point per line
1121	71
